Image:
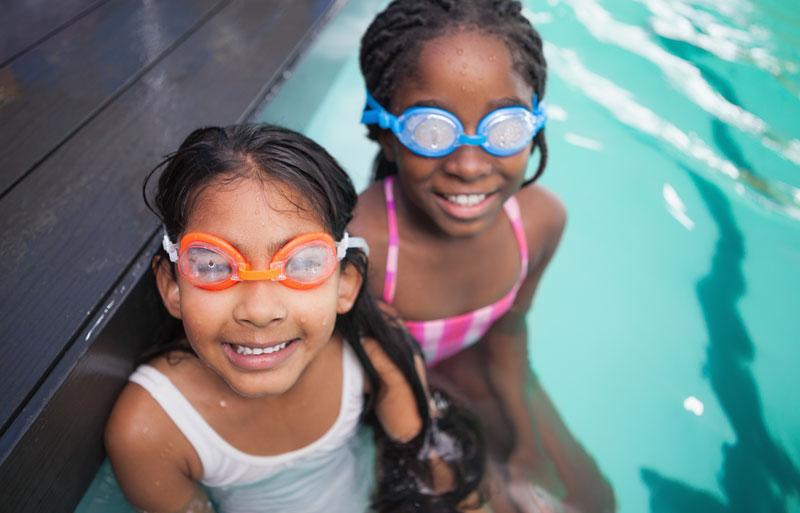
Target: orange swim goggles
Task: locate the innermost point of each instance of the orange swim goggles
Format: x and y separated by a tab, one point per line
307	261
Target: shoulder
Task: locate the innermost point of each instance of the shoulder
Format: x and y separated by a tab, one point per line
370	222
369	216
544	216
144	447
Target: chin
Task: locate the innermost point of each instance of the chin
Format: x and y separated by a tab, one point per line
260	388
464	229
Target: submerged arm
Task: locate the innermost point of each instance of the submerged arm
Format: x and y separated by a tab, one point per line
544	452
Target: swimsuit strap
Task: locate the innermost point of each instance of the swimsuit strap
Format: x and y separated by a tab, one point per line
511	207
390	281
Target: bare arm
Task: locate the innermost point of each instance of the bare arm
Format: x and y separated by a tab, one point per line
155	466
395	404
397	412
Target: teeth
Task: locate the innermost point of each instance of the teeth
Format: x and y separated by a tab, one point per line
258	350
465	200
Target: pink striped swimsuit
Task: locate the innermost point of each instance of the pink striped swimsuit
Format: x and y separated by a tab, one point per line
442	338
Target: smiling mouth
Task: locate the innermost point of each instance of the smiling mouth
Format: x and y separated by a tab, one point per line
247	350
465	200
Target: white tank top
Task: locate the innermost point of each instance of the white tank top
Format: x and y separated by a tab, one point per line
333	473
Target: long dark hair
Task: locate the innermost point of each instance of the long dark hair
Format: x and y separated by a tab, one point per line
392	44
214	155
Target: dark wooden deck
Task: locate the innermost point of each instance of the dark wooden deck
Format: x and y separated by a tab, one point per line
92	95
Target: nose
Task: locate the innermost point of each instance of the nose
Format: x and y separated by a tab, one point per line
468	162
260	303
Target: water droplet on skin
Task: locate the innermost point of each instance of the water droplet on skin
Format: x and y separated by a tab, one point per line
462	72
257	211
460	51
223	403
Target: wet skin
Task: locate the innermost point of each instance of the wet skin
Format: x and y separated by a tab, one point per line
269	405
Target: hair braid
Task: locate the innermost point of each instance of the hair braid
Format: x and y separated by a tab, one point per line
392	44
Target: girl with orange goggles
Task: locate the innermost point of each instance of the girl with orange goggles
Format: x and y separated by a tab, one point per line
270	385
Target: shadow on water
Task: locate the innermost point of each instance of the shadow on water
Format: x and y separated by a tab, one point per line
757	475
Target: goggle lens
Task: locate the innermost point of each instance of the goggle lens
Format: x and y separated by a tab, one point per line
205	264
310	264
432	132
509	133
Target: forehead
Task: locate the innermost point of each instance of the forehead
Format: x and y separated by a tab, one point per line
463	67
246	209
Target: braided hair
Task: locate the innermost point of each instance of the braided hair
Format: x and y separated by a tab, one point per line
392	44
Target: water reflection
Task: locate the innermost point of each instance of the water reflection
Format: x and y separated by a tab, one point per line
688	78
757	474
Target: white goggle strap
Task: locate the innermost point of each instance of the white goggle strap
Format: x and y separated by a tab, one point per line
170	247
348	242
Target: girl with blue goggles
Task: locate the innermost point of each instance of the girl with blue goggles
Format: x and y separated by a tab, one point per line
432	132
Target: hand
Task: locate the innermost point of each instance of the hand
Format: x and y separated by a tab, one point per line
535	467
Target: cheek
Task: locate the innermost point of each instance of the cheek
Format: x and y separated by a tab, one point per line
518	164
323	309
200	311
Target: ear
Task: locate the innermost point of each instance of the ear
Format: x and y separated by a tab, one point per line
387	141
167	286
350	281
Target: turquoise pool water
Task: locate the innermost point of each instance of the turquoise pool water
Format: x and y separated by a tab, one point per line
666	329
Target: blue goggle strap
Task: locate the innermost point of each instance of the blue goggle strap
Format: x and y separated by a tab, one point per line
375	114
540	113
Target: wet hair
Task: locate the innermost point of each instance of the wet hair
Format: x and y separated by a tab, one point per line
391	46
215	156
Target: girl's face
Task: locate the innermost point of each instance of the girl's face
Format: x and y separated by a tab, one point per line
470	74
222	326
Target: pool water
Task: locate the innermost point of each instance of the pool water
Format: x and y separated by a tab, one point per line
666	330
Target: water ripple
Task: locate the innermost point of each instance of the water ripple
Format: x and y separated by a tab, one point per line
681	20
621	104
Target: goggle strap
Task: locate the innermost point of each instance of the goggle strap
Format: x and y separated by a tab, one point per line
374	113
540	112
170	247
474	140
348	242
275	272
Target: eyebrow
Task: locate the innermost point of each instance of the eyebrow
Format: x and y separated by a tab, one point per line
270	249
499	103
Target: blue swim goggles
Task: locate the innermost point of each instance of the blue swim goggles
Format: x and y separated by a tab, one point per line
433	132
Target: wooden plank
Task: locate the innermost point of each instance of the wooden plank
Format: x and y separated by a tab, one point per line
54	88
68	434
23	24
70	229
